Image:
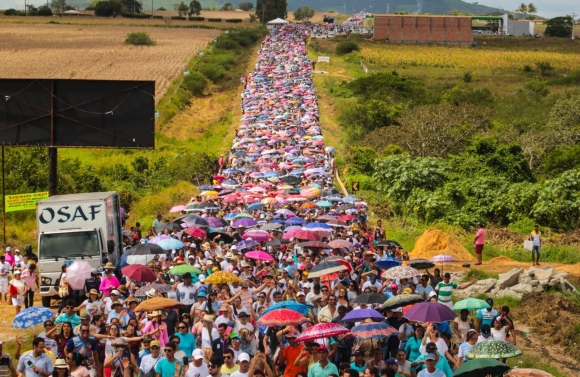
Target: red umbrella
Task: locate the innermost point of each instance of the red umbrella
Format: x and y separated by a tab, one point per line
315	245
196	232
138	272
322	330
336	244
281	317
307	235
346	218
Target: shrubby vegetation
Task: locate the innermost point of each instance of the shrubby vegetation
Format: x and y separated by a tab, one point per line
139	38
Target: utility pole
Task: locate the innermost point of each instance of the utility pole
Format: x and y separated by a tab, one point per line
573	21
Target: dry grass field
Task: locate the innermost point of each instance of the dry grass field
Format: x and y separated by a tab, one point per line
97	52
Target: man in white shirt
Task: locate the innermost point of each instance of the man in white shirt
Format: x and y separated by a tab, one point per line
242	323
186	293
197	368
115	296
148	362
244	363
372	282
5	269
424	288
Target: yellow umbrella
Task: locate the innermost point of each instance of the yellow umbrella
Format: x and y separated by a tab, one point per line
220	277
205	193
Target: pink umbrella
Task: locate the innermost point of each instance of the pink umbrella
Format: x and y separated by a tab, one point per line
77	273
177	209
257	235
290	234
260	255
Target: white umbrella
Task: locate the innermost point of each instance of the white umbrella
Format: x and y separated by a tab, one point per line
77	273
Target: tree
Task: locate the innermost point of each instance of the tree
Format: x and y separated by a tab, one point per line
455	12
362	118
523	8
532	8
132	6
559	27
182	9
194	8
565	120
246	6
108	8
303	13
58	6
253	18
267	10
227	7
32	10
44	10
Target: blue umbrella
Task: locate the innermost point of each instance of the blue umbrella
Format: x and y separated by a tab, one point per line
318	225
255	206
33	316
204	188
292	305
350	199
334	199
247	244
295	221
388	262
171	244
269	174
230	216
289	228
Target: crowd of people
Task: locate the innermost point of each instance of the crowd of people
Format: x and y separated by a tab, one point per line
274	197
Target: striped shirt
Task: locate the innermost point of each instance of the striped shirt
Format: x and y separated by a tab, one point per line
445	291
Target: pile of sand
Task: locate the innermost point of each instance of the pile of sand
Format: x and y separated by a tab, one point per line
434	242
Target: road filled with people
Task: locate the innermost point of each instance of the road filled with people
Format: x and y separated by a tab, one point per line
269	271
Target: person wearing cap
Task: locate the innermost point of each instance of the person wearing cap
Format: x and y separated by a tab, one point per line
5	269
486	316
186	293
393	363
8	256
470	340
150	360
17	290
359	363
323	368
197	368
243	323
6	363
430	350
244	366
114	296
485	334
85	320
291	353
431	369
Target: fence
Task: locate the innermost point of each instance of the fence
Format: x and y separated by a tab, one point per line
364	67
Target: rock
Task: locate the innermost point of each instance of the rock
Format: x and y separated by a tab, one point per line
488	286
544	282
572	287
535	283
559	275
539	289
543	273
522	288
509	278
510	293
562	284
554	283
494	292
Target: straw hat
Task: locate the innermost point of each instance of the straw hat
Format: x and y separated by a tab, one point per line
93	292
156	313
208	318
109	266
60	363
121	341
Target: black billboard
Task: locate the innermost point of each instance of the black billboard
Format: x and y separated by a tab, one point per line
77	113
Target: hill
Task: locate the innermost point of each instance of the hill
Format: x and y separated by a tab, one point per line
411	6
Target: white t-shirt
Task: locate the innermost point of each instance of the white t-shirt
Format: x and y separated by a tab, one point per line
498	334
368	284
481	338
5	268
194	371
90	305
205	340
247	326
441	347
239	374
425	373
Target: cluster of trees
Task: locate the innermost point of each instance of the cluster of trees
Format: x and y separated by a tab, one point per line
303	13
267	10
464	155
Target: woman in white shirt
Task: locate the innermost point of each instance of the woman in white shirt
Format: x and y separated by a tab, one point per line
499	331
208	335
461	325
92	302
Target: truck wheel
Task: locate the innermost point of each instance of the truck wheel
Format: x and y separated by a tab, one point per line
46	301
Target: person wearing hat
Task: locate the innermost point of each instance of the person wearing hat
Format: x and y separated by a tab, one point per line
110	281
92	303
323	368
6	362
227	316
149	360
430	351
146	348
17	290
120	313
61	368
156	328
197	367
85	320
186	292
115	360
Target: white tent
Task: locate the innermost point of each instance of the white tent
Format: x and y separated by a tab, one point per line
277	21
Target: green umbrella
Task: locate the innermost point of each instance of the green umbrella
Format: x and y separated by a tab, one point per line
184	268
481	368
471	304
242	215
493	349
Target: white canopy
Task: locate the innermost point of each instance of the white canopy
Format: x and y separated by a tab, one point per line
278	21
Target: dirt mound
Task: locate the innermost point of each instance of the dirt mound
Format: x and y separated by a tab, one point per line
433	242
501	259
557	320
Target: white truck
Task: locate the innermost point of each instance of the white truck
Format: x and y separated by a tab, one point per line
76	227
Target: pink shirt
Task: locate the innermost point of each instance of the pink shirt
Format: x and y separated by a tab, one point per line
29	279
107	282
9	258
480	237
161	336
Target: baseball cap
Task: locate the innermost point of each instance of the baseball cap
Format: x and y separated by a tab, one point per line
486	331
397	310
197	354
115	292
300	294
155	343
243	357
201	294
94	271
392	361
243	314
322	349
201	278
430	356
431	346
358	353
8	248
17	272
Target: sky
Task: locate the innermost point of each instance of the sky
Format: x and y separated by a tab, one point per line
546	8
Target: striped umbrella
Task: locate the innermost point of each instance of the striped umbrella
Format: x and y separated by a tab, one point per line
373	330
326	268
257	235
321	331
292	305
281	317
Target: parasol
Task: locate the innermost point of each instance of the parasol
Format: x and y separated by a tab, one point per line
336	244
33	316
292	305
77	273
471	304
400	301
307	235
259	255
170	244
373	330
158	303
388	262
321	331
196	232
220	277
420	264
400	272
369	298
493	349
281	317
183	269
362	314
138	272
430	312
160	288
326	268
481	368
526	372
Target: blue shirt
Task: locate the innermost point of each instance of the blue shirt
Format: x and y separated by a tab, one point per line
437	373
486	317
316	370
166	368
442	364
186	343
42	362
360	369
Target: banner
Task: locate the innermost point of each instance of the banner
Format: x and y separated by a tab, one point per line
21	202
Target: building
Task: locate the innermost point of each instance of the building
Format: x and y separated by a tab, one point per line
448	30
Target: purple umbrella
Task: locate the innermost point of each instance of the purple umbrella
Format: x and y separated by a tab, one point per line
362	314
246	222
158	238
216	222
441	258
430	312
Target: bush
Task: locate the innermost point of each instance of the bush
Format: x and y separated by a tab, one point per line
195	82
44	11
161	9
214	20
234	20
195	18
177	18
467	77
226	43
10	12
156	17
136	15
214	72
139	38
345	47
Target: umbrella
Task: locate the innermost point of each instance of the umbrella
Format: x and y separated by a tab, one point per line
183	269
216	222
326	268
271	226
195	220
369	298
260	255
373	330
144	249
420	264
526	372
245	222
388	262
177	209
471	304
33	316
257	235
493	349
430	312
171	244
246	244
158	238
138	272
362	314
281	317
401	300
481	368
220	277
196	232
255	206
315	245
390	242
321	331
172	226
336	244
223	236
277	242
158	303
160	288
442	258
77	273
307	235
400	272
292	305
